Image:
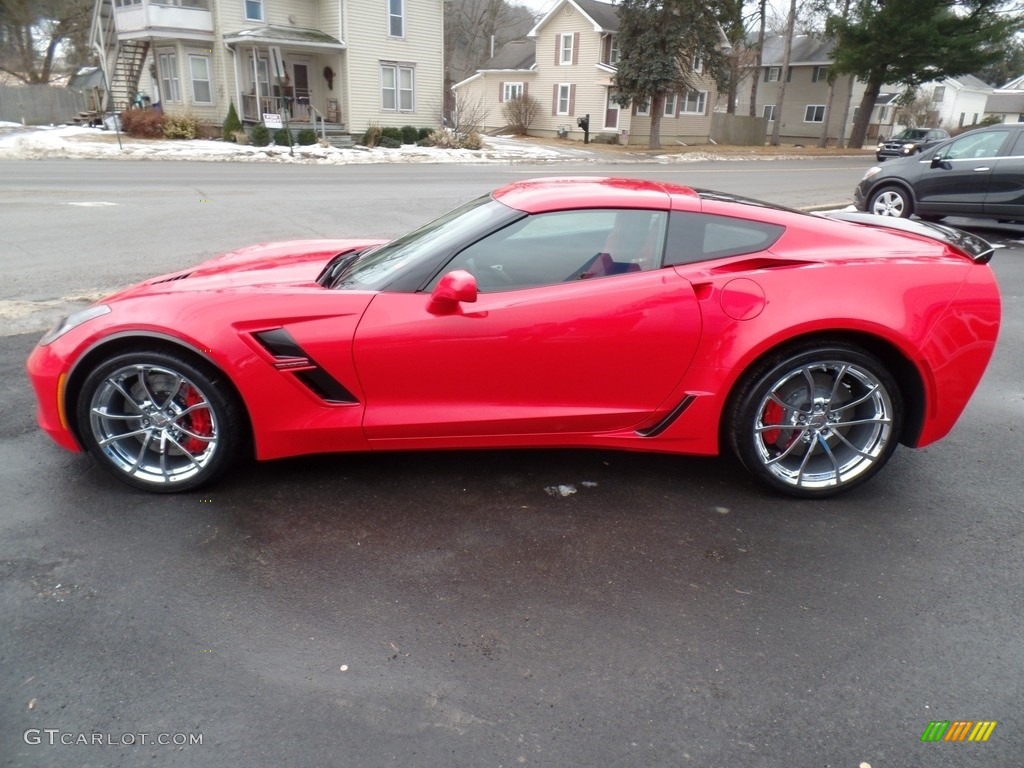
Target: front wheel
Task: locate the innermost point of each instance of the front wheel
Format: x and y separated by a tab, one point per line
160	421
817	420
891	201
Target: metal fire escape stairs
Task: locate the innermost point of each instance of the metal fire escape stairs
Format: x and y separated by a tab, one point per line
121	60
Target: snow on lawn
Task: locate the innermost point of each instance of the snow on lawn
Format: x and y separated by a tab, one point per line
78	142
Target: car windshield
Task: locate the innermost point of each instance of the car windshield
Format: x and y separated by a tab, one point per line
375	268
912	134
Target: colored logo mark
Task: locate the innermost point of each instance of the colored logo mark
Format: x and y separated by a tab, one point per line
959	730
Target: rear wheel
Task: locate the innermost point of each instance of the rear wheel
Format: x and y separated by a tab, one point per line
891	201
160	421
816	420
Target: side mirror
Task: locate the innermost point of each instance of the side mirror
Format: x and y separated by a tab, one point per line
451	290
937	161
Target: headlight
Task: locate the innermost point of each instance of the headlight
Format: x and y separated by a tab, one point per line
72	321
907	147
871	172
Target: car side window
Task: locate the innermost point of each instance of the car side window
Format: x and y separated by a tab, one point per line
695	237
1018	146
564	246
973	146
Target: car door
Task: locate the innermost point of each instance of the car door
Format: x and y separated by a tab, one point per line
1005	197
954	179
575	330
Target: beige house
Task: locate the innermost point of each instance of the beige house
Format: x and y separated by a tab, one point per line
347	62
568	64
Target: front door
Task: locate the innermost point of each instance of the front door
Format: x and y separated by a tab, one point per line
552	345
611	112
300	83
958	183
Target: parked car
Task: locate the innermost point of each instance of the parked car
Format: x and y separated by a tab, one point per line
910	142
978	174
602	313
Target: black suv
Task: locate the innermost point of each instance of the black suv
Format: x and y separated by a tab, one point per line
910	142
978	174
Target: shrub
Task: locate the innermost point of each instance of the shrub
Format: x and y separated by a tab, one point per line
283	137
232	124
444	138
392	133
372	135
260	135
389	143
181	126
472	140
143	123
424	133
520	113
306	137
409	134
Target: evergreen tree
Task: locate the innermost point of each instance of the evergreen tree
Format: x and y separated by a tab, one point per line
658	43
914	41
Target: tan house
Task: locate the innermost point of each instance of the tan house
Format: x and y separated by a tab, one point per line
347	62
568	64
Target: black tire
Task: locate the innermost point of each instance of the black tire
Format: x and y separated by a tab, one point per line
816	419
161	421
891	201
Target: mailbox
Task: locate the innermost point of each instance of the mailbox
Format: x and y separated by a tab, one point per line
584	123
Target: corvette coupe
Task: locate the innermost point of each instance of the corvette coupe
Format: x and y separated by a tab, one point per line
573	312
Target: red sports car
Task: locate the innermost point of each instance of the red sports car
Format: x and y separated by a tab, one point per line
575	312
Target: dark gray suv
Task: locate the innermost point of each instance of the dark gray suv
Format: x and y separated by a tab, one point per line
978	174
910	142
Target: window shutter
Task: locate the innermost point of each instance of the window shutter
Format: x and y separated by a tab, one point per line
526	90
554	99
572	98
501	92
575	49
606	49
558	50
789	74
766	71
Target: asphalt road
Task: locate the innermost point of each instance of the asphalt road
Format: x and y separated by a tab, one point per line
452	609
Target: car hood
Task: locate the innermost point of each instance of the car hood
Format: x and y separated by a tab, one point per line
266	265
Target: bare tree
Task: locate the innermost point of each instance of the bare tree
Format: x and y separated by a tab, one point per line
520	113
36	34
787	51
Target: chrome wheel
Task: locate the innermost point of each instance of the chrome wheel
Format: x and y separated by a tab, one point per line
890	202
819	422
157	421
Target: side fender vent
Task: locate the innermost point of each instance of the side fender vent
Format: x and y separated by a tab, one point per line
289	357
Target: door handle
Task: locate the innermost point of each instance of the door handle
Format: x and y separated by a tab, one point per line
983	168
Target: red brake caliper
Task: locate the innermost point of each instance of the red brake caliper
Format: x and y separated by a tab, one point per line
199	422
773	414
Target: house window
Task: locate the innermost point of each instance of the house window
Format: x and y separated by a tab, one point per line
698	63
768	112
254	10
643	108
670	105
396	87
694	102
199	67
819	75
564	98
613	52
814	113
396	18
511	91
565	48
170	89
773	74
939	93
